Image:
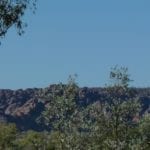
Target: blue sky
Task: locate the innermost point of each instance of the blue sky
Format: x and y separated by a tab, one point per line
86	37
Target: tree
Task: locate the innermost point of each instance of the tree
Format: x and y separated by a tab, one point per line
121	108
144	129
61	114
8	135
61	105
112	124
32	140
11	14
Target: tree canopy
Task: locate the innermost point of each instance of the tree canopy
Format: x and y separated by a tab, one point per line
112	124
11	14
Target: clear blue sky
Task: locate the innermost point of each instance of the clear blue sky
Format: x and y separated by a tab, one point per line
86	37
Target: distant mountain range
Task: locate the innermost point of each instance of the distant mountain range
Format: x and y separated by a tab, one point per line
23	107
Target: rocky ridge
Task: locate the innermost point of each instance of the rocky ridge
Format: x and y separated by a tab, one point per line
24	106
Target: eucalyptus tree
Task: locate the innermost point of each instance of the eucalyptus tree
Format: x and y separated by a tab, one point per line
112	124
11	14
122	107
144	128
61	114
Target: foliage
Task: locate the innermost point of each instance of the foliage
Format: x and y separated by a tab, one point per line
121	110
144	128
62	106
112	124
8	134
11	14
32	140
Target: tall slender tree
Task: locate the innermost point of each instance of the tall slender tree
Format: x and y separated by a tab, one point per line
112	124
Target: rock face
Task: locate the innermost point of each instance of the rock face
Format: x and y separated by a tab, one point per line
24	106
21	107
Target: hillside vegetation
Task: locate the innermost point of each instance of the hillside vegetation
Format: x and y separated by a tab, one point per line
66	117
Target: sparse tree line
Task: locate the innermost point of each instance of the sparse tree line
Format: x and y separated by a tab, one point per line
114	124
